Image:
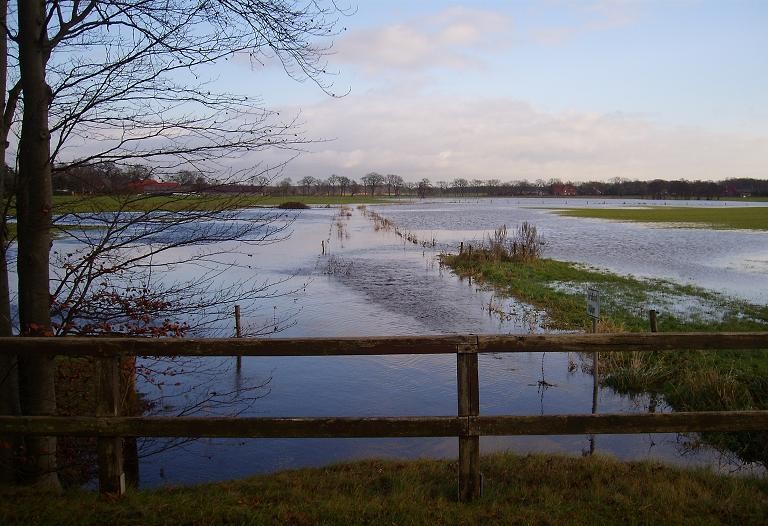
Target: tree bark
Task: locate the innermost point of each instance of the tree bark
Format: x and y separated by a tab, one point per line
9	385
5	297
33	204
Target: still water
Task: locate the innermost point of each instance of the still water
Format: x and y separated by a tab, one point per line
372	282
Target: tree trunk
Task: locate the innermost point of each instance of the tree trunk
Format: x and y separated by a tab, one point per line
9	385
33	202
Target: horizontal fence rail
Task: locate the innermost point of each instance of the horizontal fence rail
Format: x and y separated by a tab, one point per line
103	347
373	427
468	425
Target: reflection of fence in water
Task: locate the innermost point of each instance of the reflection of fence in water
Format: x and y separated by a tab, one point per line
468	425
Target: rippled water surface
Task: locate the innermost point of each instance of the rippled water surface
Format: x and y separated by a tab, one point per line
372	282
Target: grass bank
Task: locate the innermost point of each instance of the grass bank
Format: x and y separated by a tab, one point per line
173	203
693	381
557	287
751	198
743	218
723	218
536	489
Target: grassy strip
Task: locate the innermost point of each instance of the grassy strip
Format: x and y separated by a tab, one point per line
172	203
536	489
752	198
749	218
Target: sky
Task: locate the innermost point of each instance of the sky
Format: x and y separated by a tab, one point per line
574	90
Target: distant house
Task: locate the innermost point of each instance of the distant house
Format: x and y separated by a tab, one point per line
148	186
738	189
563	189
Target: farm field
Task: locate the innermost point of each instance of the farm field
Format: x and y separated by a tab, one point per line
743	218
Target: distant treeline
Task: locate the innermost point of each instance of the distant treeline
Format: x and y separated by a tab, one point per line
108	178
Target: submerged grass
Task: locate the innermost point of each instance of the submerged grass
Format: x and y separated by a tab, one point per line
558	287
750	218
689	381
534	489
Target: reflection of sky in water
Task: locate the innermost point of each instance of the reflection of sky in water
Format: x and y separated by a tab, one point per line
374	283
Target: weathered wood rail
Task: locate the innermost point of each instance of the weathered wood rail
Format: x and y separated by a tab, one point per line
468	425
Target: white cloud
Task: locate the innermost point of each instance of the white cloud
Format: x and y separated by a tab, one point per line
446	39
443	138
596	15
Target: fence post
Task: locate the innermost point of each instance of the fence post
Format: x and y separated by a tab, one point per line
470	482
652	318
110	449
239	334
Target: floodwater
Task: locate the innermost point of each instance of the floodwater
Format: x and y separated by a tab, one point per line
734	262
372	282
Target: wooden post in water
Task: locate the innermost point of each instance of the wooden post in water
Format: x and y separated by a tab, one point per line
595	362
470	480
110	449
238	334
130	406
595	385
652	318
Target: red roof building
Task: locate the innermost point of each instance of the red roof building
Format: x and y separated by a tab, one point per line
148	186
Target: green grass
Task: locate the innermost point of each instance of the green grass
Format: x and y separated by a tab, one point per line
144	203
755	198
750	218
535	489
689	381
557	287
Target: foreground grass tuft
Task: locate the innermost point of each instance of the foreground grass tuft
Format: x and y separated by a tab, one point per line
534	489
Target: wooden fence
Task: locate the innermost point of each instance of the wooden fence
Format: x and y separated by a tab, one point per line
468	425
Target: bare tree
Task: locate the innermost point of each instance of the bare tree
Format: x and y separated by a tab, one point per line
373	180
344	183
306	183
285	186
119	80
333	181
460	185
423	188
354	187
394	183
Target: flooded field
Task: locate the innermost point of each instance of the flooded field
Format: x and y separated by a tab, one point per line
734	262
372	281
